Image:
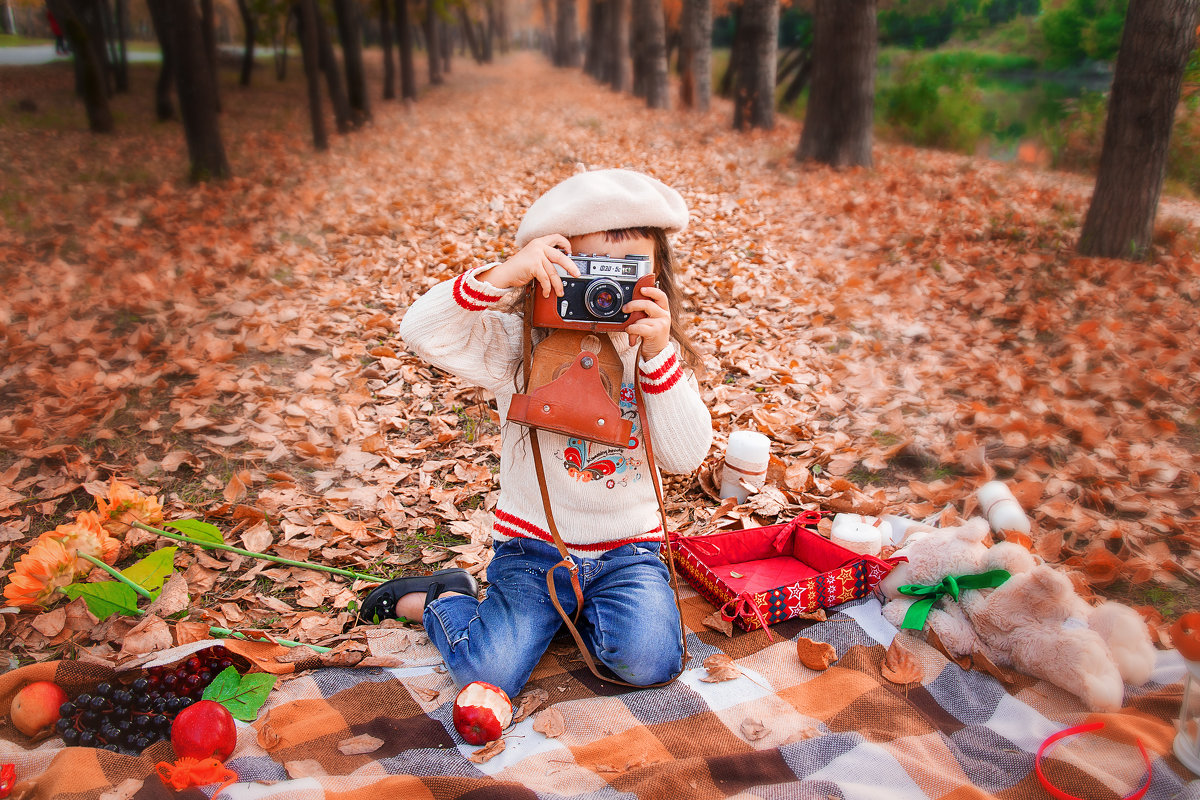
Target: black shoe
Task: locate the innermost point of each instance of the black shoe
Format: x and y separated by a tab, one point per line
381	602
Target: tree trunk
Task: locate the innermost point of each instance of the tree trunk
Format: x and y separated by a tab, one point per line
593	52
695	55
622	60
164	109
566	35
350	34
209	17
1155	47
120	59
725	88
333	76
250	27
794	72
464	20
432	41
841	102
549	46
404	35
80	23
197	94
389	58
445	46
493	29
10	25
754	75
280	44
654	53
306	13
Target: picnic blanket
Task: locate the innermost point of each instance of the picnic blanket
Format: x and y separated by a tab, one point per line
778	730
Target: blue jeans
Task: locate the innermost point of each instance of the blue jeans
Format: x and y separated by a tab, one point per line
629	620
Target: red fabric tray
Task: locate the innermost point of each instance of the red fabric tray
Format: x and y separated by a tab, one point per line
760	576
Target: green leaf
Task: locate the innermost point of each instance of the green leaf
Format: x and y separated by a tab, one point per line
105	598
243	695
151	571
195	529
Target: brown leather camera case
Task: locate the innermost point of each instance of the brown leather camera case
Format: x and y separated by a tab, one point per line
575	382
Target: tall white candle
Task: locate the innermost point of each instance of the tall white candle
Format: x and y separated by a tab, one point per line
1002	510
746	459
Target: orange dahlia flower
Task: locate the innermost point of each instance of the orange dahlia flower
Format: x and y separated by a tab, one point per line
86	535
40	573
125	506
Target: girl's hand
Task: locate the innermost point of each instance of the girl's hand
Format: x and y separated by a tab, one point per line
655	327
534	262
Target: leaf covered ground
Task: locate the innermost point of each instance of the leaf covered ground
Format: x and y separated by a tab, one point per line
902	333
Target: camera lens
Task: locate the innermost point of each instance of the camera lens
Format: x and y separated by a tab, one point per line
604	299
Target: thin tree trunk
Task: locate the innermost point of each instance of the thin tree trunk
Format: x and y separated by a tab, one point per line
404	35
197	94
434	57
593	51
796	76
209	17
696	42
306	13
754	76
464	20
1155	47
493	27
622	78
658	91
121	59
164	108
566	35
10	24
549	45
250	28
333	76
725	88
445	46
280	45
350	34
841	103
389	58
80	24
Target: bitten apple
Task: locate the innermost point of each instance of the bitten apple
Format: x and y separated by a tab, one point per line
481	712
204	730
35	707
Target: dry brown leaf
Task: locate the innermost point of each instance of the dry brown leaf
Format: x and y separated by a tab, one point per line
304	768
487	752
718	623
815	655
900	666
528	702
550	723
720	668
267	737
428	695
753	729
359	745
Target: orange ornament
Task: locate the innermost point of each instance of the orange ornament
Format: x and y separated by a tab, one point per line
1185	635
196	772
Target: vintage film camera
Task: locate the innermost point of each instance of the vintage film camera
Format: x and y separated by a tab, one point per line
594	300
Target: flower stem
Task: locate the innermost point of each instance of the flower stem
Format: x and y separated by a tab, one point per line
116	574
218	631
277	559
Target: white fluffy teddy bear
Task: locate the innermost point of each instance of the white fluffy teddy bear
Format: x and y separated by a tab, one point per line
1034	621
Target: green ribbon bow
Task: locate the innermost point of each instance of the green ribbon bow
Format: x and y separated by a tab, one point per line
951	585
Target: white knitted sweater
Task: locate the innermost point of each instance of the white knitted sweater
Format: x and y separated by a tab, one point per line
601	496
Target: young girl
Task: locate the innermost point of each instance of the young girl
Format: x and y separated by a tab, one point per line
602	498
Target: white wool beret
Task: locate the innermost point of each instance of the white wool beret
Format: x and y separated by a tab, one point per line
604	200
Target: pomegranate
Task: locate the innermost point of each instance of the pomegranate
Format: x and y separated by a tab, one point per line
35	708
481	712
204	730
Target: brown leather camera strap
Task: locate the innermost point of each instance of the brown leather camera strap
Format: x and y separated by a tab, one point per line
570	565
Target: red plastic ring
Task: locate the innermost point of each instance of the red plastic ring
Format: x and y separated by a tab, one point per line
1091	726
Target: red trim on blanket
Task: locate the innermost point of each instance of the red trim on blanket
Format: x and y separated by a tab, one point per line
517	528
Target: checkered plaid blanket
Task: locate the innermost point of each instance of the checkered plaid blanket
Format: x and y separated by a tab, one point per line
779	730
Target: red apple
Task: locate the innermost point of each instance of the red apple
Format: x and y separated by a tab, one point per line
35	708
204	730
481	712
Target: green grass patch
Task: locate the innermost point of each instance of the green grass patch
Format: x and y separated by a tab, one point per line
16	40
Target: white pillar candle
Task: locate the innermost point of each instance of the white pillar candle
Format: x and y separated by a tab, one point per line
860	534
1002	510
746	459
